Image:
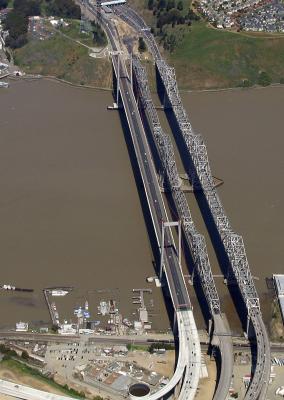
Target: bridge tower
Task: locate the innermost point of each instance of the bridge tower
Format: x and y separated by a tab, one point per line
166	225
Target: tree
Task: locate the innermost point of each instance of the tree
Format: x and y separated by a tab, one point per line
25	355
54	328
141	45
27	7
180	5
150	4
64	8
264	79
171	4
99	36
17	25
3	4
162	4
246	83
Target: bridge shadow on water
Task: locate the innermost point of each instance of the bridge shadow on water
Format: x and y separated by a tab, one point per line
221	254
174	215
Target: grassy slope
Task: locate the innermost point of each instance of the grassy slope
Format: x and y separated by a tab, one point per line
22	370
65	59
209	58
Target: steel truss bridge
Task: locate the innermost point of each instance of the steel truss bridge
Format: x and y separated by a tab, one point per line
201	177
195	240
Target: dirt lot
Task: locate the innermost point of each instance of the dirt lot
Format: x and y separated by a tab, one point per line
163	364
207	385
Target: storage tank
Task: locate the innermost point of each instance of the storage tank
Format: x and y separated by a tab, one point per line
139	391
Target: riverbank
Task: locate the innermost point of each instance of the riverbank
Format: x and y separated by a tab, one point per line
66	58
206	59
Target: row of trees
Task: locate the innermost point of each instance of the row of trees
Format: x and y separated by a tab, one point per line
164	5
169	14
17	20
99	35
63	8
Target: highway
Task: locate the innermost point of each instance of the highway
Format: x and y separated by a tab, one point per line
189	359
27	392
201	178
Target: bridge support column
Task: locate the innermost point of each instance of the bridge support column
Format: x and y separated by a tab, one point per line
162	251
175	323
131	70
118	82
249	332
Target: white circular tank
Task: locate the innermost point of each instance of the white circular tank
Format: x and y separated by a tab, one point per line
139	391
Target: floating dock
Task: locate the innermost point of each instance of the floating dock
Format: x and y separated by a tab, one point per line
51	308
14	288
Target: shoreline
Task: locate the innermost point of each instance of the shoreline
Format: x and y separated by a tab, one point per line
58	80
78	86
231	89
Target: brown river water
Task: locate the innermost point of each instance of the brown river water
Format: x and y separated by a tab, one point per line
70	211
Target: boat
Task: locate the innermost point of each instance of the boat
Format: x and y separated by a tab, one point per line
86	305
4	84
8	287
112	307
78	311
136	302
59	292
104	307
126	322
157	282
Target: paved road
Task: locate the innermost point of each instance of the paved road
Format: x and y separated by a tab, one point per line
27	393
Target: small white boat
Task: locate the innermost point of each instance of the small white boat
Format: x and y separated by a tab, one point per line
104	307
59	292
4	84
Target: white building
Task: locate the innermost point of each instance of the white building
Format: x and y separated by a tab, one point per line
22	326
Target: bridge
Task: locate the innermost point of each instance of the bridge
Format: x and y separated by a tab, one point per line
196	241
198	169
187	371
